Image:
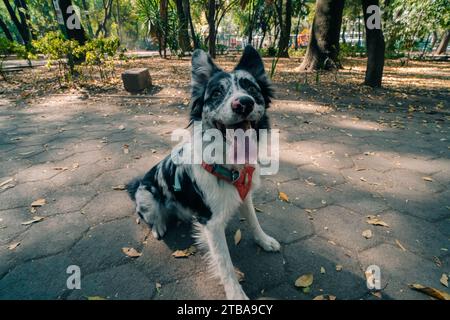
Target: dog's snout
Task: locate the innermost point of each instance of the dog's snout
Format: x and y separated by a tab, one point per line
243	105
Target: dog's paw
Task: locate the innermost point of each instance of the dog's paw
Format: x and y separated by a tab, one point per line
268	243
159	230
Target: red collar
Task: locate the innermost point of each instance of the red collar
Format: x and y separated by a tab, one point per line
242	179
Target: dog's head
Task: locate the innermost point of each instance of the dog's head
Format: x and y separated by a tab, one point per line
233	100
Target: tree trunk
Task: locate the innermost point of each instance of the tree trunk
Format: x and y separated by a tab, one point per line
88	18
183	33
297	31
5	30
323	46
187	8
107	9
71	33
442	48
212	28
375	49
22	27
285	27
164	14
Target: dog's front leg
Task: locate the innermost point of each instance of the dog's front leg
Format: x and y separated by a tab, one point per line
261	238
213	235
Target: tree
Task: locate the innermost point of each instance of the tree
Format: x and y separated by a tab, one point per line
284	23
374	43
5	30
21	22
442	48
183	29
107	12
164	16
71	23
210	16
323	46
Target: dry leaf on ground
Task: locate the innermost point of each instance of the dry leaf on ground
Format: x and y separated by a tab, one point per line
339	267
367	234
429	179
376	221
444	280
237	237
322	270
119	187
325	297
131	252
38	203
304	281
432	292
400	245
13	245
184	253
6	182
95	298
283	196
34	220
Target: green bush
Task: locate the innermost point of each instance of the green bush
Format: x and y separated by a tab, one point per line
57	49
299	53
100	53
349	50
9	47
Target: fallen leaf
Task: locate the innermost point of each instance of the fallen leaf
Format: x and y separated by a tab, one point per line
184	253
367	234
95	298
325	297
125	149
400	245
6	182
437	261
377	294
39	203
237	237
435	293
131	252
75	166
34	220
158	286
258	209
339	267
13	245
60	168
121	127
444	280
429	179
322	270
304	281
239	274
376	221
283	196
119	187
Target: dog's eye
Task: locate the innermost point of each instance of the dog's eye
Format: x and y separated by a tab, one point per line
252	90
216	94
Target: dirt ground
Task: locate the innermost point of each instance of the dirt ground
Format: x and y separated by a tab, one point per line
347	152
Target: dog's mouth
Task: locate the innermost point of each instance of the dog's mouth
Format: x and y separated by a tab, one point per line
244	125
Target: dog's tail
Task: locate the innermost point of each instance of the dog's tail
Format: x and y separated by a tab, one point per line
132	187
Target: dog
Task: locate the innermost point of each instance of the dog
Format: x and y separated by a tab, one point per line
210	194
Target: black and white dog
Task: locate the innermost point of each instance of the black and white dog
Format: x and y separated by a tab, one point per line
210	194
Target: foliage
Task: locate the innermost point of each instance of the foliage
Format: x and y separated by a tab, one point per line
410	20
97	53
9	47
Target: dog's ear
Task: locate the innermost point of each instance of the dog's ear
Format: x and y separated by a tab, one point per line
251	62
202	69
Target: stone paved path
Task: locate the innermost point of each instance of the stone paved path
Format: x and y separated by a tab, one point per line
337	167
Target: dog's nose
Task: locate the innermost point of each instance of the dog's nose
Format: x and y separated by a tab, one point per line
243	105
